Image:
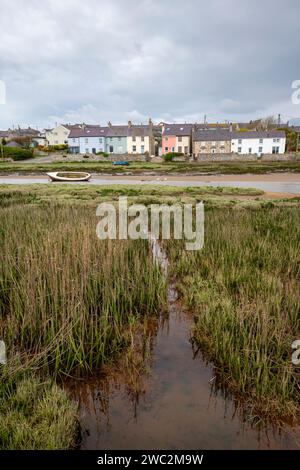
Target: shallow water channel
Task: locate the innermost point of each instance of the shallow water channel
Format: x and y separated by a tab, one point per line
174	403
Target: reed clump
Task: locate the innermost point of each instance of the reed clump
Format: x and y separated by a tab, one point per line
243	289
66	298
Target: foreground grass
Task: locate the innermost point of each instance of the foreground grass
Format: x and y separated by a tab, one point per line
68	304
35	414
243	289
65	296
154	168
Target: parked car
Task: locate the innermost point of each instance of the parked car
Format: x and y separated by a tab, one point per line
121	163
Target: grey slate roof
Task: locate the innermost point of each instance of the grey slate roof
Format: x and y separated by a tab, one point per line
117	131
4	134
258	135
88	131
177	129
13	144
212	135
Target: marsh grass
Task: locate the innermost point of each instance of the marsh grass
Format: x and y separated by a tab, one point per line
66	298
243	289
258	167
35	414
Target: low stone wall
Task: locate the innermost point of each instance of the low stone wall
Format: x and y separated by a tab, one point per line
99	158
235	157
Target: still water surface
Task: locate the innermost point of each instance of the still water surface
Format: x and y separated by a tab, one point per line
175	405
279	187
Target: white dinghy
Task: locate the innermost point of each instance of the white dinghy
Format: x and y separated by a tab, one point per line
69	176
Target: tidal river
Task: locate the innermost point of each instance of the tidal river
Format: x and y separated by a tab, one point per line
284	186
175	403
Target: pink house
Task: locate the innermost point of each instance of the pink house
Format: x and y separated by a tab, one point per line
176	138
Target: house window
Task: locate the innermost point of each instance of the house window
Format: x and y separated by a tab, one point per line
186	150
142	148
93	150
260	149
166	149
239	141
133	139
277	140
86	140
111	148
119	139
250	150
239	149
167	138
87	150
275	149
180	149
100	140
142	138
134	148
74	140
173	149
179	139
261	141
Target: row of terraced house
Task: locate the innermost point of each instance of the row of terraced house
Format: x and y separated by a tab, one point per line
186	139
197	139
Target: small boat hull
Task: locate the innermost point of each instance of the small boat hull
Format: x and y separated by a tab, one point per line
67	176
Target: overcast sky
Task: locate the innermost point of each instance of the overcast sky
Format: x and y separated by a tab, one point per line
98	60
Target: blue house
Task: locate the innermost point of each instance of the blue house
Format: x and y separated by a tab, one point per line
116	139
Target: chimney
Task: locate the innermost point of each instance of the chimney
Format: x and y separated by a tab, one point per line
109	124
150	122
129	124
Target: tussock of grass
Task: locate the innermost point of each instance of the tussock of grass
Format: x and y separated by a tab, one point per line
65	296
243	289
35	415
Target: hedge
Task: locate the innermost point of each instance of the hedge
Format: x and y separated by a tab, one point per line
16	153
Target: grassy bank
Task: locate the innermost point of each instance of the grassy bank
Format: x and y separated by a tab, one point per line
243	290
35	414
138	168
68	303
41	193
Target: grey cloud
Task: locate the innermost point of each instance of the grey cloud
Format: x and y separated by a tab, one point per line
120	59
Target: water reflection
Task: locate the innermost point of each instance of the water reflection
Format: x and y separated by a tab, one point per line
164	395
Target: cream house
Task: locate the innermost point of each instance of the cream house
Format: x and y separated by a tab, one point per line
140	139
59	135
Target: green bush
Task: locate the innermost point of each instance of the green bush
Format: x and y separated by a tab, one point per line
16	153
55	148
104	154
168	157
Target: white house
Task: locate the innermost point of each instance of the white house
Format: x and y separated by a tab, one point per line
258	142
87	139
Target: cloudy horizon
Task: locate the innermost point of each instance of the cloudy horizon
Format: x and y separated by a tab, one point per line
169	60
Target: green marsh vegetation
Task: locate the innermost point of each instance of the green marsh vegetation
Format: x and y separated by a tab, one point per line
68	304
138	168
243	291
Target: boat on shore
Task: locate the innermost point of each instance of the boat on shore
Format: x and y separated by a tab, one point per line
68	176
